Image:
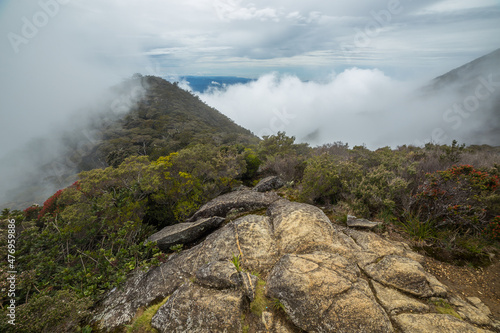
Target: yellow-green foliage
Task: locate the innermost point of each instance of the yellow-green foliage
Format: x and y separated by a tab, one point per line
142	321
279	145
194	175
236	260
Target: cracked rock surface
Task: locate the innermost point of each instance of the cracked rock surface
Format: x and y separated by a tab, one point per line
321	277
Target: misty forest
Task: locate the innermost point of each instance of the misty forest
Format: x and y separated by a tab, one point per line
199	203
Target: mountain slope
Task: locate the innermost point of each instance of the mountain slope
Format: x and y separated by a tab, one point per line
165	119
465	75
141	116
470	100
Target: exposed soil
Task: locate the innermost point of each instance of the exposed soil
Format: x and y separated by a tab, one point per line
466	281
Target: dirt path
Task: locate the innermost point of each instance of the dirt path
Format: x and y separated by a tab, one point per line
469	282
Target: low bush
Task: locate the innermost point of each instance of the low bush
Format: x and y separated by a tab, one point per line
456	198
328	181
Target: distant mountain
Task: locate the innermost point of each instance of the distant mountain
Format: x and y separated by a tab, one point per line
144	115
467	75
472	94
203	83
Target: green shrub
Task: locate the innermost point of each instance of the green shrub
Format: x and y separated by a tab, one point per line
61	312
252	164
327	180
379	190
280	145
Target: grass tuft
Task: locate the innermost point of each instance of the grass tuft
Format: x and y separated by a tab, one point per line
260	302
142	321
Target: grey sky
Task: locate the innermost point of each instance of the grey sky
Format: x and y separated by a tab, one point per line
58	54
234	37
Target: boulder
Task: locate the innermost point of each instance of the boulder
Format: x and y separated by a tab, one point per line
140	290
354	222
480	305
255	240
268	184
470	312
372	243
300	228
246	199
185	233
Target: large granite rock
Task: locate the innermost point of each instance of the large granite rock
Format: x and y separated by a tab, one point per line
300	228
395	302
218	275
324	277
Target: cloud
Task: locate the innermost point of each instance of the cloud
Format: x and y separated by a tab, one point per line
229	10
357	106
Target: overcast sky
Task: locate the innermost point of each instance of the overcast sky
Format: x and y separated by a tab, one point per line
58	54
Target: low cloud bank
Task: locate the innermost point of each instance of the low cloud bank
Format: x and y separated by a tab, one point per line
358	106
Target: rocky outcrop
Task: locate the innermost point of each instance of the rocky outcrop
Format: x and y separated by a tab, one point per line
395	302
290	270
185	233
406	275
